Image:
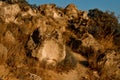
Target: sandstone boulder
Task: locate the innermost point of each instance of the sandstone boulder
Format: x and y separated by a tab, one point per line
89	41
71	11
48	48
9	12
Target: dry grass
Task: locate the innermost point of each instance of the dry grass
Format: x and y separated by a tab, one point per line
101	26
107	42
67	64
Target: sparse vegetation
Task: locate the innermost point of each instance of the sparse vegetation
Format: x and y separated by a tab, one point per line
102	24
93	37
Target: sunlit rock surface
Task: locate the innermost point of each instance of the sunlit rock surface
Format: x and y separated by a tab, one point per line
47	42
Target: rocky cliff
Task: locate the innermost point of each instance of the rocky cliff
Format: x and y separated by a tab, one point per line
47	42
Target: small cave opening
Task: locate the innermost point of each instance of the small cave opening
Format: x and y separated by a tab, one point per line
36	36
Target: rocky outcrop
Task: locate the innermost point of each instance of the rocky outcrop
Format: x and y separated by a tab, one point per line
89	41
52	43
71	11
48	48
9	12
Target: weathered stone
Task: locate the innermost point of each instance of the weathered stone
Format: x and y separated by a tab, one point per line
34	77
48	47
71	11
51	52
28	11
89	41
85	15
9	12
50	10
47	10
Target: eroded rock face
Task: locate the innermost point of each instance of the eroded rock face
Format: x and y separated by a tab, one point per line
50	10
71	11
48	48
89	41
9	12
52	52
34	77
